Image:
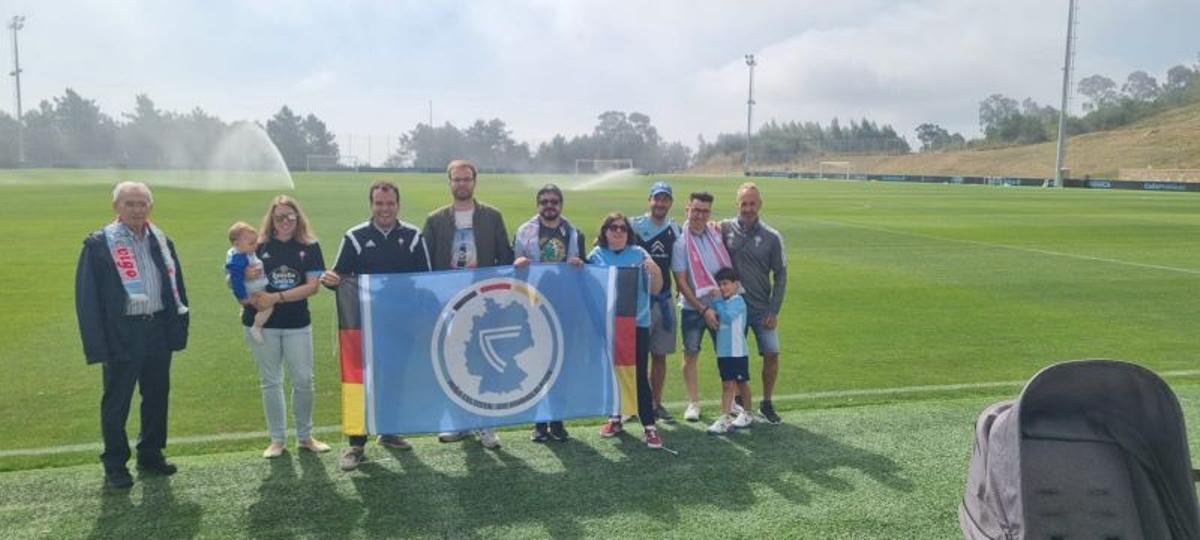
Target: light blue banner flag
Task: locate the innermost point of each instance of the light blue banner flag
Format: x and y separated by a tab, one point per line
458	350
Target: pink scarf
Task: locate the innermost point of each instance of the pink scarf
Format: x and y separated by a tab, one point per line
700	275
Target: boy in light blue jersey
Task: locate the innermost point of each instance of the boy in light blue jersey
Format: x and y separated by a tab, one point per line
733	358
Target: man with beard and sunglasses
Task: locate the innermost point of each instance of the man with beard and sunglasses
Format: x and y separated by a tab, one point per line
548	237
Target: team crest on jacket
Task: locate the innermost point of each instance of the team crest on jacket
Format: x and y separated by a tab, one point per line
497	347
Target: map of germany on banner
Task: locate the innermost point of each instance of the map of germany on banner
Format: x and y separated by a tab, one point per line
458	350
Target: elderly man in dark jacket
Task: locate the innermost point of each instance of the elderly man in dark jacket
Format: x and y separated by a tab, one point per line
132	308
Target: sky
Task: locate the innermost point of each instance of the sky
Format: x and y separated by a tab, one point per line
549	67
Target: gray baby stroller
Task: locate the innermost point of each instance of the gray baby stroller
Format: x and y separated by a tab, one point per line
1091	449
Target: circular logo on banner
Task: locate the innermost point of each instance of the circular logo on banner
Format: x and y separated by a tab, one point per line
497	347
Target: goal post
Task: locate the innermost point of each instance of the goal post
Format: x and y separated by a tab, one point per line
319	162
601	166
839	168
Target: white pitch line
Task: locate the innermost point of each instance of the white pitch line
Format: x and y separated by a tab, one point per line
806	396
192	439
1006	246
835	394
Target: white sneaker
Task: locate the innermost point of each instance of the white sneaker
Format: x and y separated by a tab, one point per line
720	426
452	436
743	420
351	458
488	439
735	409
692	412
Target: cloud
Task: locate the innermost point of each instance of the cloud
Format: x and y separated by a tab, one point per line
317	82
548	67
904	65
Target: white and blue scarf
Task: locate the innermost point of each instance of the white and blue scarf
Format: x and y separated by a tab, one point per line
120	243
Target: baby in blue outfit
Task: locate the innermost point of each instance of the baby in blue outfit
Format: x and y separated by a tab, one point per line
239	258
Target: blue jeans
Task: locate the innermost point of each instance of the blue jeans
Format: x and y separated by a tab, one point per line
768	340
291	347
693	328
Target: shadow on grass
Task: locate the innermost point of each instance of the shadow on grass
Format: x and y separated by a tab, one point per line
501	493
307	505
158	516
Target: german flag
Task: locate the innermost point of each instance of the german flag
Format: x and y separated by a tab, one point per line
350	353
625	338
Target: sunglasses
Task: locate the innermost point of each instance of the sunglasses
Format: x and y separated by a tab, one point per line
280	218
618	228
549	202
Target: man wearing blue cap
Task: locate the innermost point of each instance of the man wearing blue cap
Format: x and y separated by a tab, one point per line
656	232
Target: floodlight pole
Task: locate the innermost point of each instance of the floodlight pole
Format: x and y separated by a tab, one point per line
18	22
749	110
1060	160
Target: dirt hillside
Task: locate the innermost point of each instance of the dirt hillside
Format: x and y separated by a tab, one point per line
1170	140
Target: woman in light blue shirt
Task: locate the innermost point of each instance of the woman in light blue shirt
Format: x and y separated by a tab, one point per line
613	248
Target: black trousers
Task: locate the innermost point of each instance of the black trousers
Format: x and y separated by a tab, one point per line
148	367
645	398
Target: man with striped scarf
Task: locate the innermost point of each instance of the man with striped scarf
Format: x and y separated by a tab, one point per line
132	309
697	256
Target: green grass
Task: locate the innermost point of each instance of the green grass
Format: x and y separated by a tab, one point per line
880	471
890	286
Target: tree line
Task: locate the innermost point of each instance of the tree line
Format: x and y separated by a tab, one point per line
72	131
489	144
786	142
1004	120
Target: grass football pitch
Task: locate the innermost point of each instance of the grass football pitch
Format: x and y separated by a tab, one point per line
909	308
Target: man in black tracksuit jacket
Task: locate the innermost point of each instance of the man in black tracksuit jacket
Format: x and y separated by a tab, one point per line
381	245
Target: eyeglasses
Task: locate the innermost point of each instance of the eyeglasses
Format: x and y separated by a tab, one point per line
549	202
280	218
618	228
